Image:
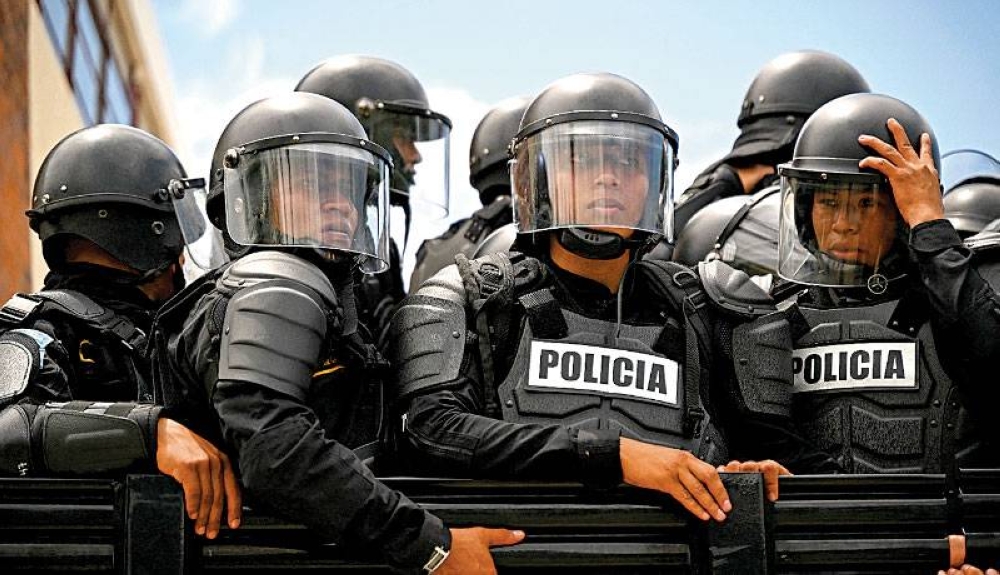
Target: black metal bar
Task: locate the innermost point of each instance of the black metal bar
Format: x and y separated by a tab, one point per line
157	538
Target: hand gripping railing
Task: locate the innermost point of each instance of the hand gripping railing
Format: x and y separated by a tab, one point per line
822	524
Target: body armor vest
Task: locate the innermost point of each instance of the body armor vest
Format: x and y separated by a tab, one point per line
586	376
870	390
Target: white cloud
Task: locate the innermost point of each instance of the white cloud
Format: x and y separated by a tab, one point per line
206	105
212	16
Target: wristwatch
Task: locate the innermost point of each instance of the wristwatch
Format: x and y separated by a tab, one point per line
437	558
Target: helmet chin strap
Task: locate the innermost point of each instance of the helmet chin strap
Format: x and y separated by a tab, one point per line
597	245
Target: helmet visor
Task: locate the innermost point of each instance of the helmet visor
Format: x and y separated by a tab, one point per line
963	166
420	144
595	174
837	233
203	242
752	245
322	195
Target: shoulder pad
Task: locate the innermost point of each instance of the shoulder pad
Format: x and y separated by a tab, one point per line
273	336
733	291
20	360
73	303
428	339
984	243
273	265
446	284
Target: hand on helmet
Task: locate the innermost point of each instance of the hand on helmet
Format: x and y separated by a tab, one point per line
693	483
915	183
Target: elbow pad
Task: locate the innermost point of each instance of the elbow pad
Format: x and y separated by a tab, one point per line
76	438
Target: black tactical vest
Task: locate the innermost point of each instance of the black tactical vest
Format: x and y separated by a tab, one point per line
582	374
870	390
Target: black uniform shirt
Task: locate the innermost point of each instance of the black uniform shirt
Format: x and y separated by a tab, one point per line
289	459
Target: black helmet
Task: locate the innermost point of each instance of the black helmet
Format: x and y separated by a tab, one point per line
298	171
112	185
592	152
971	182
971	206
488	151
392	106
742	231
783	95
825	162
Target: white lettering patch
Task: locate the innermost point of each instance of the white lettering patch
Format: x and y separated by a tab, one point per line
891	365
603	370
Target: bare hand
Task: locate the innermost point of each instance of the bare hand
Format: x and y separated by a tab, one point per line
693	483
916	186
769	468
204	473
470	550
968	570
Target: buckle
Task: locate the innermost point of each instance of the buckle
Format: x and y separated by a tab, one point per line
18	308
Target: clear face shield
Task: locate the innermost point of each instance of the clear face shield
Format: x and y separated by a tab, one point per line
328	192
203	248
961	166
607	175
419	141
841	231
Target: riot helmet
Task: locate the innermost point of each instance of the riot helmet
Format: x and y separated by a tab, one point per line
742	231
782	96
840	226
488	151
971	181
594	161
393	108
297	172
120	188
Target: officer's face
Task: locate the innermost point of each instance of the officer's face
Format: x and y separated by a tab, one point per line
605	183
319	209
402	140
854	227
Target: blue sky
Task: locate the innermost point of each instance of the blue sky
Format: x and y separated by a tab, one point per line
696	58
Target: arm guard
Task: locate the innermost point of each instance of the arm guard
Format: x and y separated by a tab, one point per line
428	335
277	323
76	438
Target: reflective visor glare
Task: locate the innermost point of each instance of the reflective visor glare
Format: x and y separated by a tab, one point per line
964	165
835	234
203	244
593	174
320	195
421	155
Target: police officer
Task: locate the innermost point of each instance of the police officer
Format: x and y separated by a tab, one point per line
488	174
75	390
392	106
271	340
574	361
971	182
893	367
780	99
